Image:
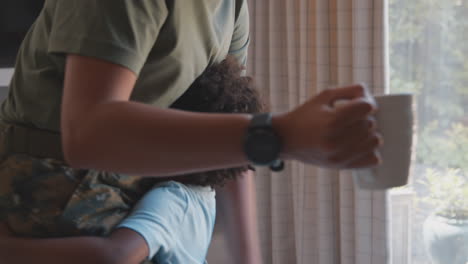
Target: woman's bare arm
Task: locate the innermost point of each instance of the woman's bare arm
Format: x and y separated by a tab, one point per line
238	215
102	130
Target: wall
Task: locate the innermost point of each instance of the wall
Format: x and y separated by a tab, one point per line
5	77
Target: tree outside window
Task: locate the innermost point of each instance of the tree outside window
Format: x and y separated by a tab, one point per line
429	57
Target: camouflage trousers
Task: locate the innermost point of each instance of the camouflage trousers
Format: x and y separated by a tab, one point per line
45	198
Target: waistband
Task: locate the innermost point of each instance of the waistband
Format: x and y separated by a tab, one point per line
21	139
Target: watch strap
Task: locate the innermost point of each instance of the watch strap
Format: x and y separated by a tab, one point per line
264	120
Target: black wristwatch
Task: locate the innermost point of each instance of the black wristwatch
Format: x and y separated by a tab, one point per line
262	145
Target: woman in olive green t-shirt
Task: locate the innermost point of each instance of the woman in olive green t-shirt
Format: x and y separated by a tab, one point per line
157	49
102	73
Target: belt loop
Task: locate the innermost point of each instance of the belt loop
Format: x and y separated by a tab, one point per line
4	143
36	142
19	140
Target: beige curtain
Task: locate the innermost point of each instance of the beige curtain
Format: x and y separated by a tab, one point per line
300	47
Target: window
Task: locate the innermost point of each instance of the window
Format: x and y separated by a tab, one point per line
429	57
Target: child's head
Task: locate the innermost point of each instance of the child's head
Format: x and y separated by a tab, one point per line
222	89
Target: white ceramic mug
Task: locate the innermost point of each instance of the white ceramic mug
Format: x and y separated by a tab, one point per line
395	121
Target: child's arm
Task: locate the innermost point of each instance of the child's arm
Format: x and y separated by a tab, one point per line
238	215
122	247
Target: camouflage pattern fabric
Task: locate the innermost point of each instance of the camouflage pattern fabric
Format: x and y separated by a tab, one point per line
45	198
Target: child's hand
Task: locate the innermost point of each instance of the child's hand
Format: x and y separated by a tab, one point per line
4	230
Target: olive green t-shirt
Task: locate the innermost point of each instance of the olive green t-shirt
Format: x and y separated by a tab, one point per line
166	43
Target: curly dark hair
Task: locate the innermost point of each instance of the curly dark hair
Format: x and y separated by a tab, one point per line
222	89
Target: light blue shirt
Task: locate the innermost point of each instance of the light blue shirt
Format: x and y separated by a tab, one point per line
177	222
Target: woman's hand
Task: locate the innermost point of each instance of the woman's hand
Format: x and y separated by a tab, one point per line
341	137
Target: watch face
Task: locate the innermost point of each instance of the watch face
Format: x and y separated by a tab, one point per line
262	146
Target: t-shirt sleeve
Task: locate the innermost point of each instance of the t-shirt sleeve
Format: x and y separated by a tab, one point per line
158	217
118	31
241	37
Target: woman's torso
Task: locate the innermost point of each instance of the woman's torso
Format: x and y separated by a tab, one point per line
186	37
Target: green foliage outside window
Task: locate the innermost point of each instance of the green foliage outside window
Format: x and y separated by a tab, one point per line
429	57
